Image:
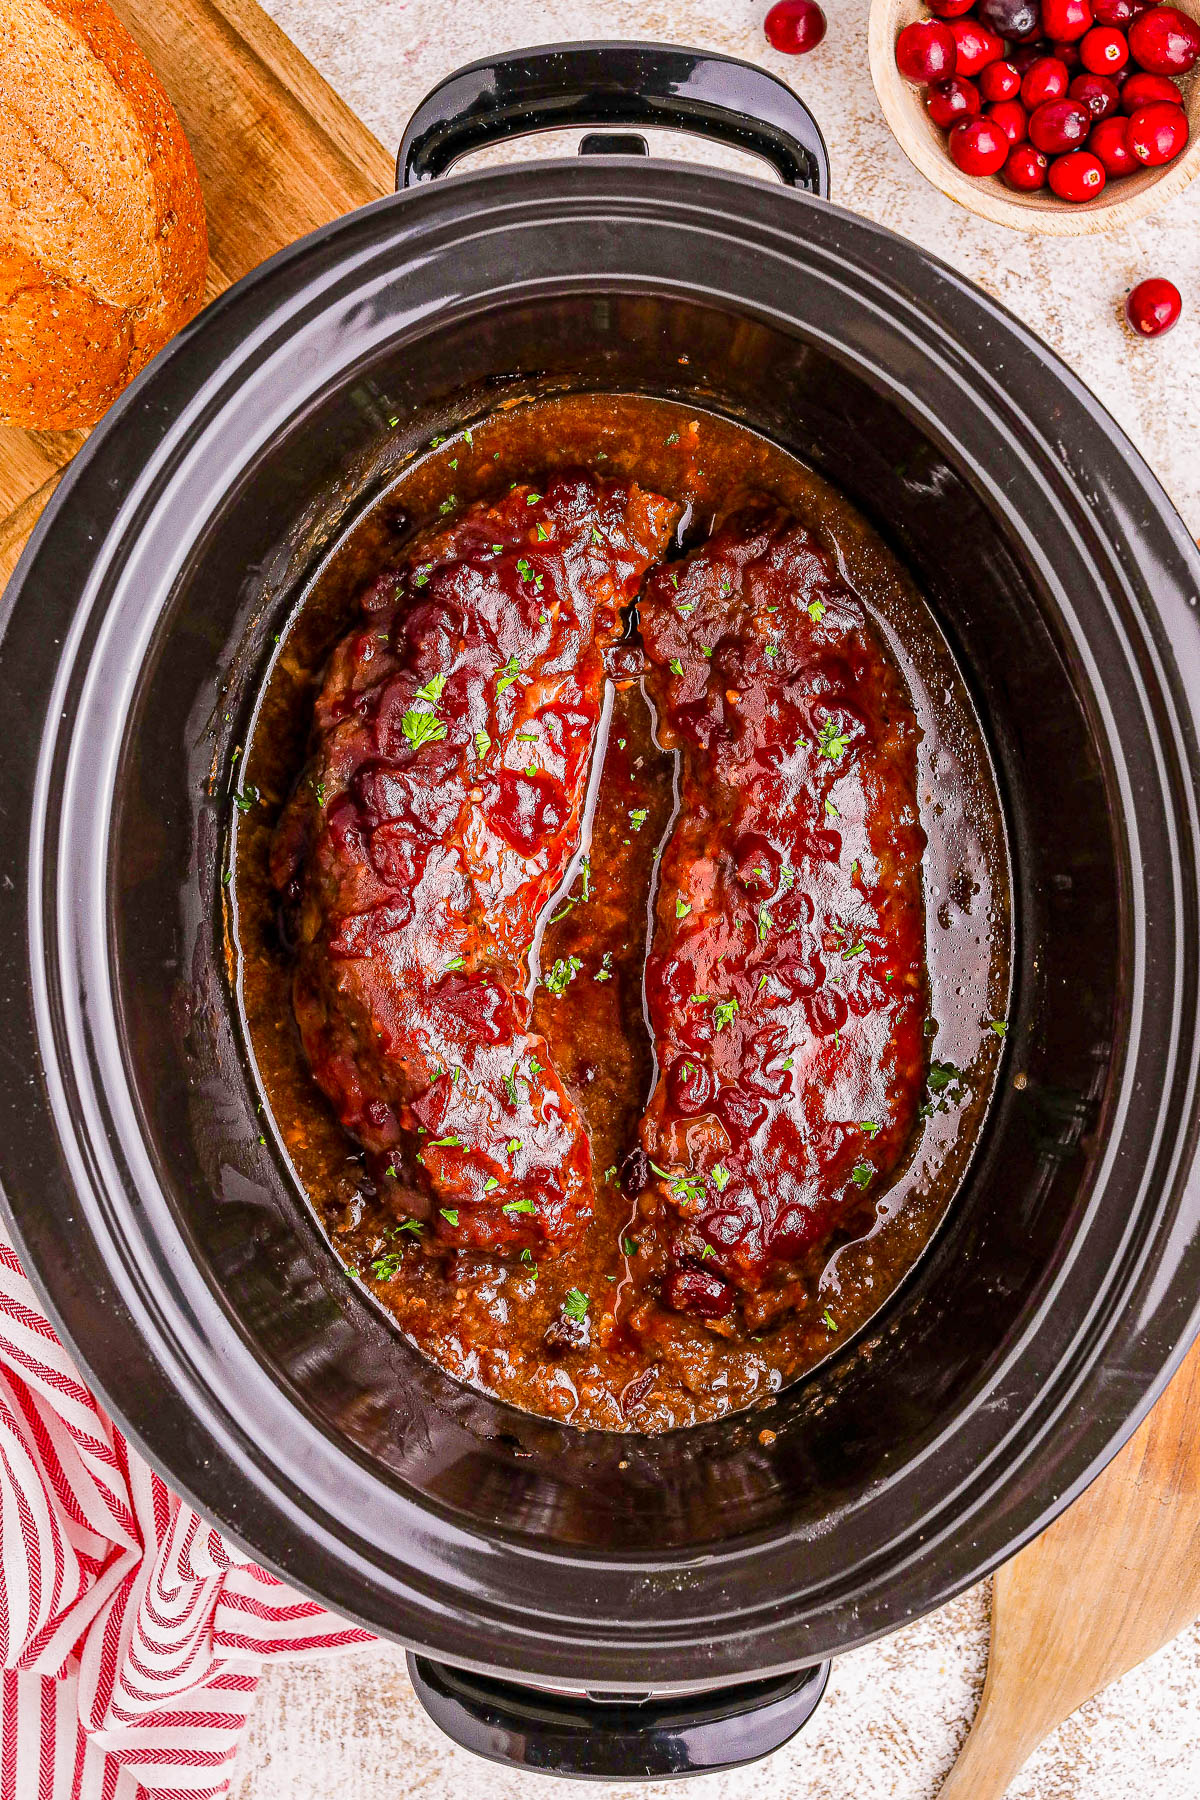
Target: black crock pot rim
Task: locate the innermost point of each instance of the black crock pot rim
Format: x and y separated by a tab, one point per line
543	172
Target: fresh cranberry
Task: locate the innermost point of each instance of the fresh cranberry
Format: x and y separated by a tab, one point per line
999	81
976	46
1066	19
1010	18
926	51
1153	306
1026	169
1145	90
1157	133
1046	79
949	9
1117	12
1059	125
1110	142
978	147
1024	56
1097	93
1103	49
949	101
1077	177
1012	119
795	26
1165	41
1067	53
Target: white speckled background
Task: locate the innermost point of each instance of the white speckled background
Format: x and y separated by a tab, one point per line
895	1713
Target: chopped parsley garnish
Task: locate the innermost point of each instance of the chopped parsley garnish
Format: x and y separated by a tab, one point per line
490	1185
525	737
765	922
445	1143
629	1245
532	499
726	587
869	1126
610	1172
941	1074
512	1146
564	971
831	812
431	693
638	817
448	504
596	537
513	1206
675	666
772	650
246	799
720	1177
831	742
386	1268
507	675
413	1225
483	744
510	1087
682	909
421	727
829	1319
999	1026
707	1252
524	569
861	1174
604	972
816	611
723	1013
535	1067
456	962
699	999
449	1214
673	439
543	534
854	950
575	1305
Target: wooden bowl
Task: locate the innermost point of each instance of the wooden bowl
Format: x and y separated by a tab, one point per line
1122	201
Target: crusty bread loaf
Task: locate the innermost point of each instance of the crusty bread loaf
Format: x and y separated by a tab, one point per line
103	248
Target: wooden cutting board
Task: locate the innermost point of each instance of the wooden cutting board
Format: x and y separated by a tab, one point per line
1119	1574
278	154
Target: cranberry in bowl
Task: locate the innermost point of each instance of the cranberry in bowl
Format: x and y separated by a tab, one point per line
1082	58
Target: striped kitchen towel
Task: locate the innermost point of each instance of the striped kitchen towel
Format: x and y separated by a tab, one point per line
131	1633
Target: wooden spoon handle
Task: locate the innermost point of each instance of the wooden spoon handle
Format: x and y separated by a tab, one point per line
1110	1582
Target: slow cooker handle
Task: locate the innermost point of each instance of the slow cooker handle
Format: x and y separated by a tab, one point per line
618	1738
557	86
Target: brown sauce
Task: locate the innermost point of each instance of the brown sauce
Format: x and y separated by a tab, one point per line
486	1320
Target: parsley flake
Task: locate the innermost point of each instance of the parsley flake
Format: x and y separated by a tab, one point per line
816	611
723	1013
675	666
682	909
449	1214
507	675
720	1177
575	1305
831	742
564	971
512	1206
829	1319
861	1174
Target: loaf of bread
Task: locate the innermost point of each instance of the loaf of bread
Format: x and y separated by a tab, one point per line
103	248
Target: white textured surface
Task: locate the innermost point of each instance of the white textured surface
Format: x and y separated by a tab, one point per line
896	1712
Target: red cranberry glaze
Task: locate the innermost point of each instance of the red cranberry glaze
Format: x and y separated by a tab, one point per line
1153	306
795	26
800	989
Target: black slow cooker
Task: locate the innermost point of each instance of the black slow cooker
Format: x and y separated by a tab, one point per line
692	1584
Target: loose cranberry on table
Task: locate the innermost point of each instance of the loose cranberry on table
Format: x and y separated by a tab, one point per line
947	102
1046	79
999	81
978	147
1012	119
975	46
1079	176
1066	20
1165	41
926	51
1026	169
1098	93
1010	18
1143	90
1153	306
1103	49
795	26
1157	133
1110	142
949	9
1059	126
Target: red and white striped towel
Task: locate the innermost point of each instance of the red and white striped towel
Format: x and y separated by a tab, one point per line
131	1633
